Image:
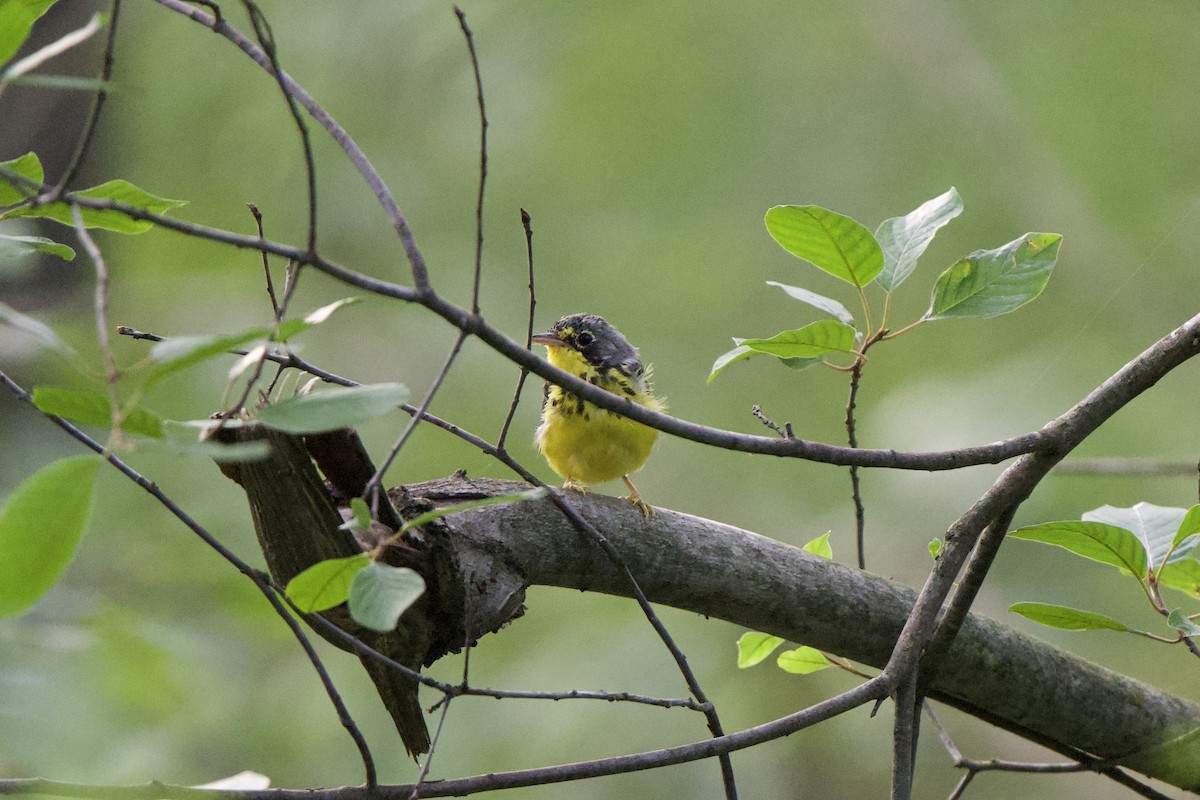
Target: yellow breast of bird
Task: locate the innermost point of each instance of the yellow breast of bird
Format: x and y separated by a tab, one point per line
588	444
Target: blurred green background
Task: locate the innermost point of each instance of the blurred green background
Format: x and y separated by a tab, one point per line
647	141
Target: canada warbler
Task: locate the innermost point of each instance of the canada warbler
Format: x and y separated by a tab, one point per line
582	442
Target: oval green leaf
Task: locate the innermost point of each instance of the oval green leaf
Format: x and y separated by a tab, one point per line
381	593
1154	526
829	241
28	166
815	340
819	302
13	247
1182	575
330	409
754	647
1098	541
93	407
992	282
16	20
120	191
1071	619
325	584
1179	621
820	546
40	331
904	239
40	525
802	661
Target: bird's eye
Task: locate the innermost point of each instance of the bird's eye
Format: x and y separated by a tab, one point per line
584	338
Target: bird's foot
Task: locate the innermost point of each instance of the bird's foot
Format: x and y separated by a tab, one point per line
635	499
574	487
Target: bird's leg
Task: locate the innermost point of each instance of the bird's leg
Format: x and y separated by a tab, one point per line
636	500
574	487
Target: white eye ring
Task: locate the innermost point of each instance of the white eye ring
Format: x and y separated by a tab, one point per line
584	338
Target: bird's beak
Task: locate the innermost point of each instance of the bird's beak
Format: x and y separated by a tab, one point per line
549	339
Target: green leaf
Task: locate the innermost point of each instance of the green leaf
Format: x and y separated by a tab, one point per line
802	661
1095	540
828	305
830	241
40	525
120	191
992	282
1154	526
33	60
16	20
1183	576
27	166
754	647
361	519
325	584
190	439
1185	539
17	246
814	341
38	330
820	546
291	327
381	593
93	407
904	239
739	353
935	548
1071	619
445	511
179	353
1179	621
330	409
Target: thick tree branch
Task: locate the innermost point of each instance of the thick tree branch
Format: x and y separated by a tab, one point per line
992	671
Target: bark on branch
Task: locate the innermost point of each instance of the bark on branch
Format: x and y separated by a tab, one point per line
478	563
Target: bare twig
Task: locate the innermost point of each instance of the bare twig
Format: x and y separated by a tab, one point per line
483	160
266	39
89	130
112	374
420	271
526	222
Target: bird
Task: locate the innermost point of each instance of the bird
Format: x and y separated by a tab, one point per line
582	442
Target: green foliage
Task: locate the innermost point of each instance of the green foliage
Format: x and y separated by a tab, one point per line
754	648
819	302
1071	619
820	546
380	593
40	331
1153	544
120	191
829	241
988	283
1098	541
330	409
13	247
16	21
904	239
92	407
40	525
325	584
29	166
802	660
983	284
